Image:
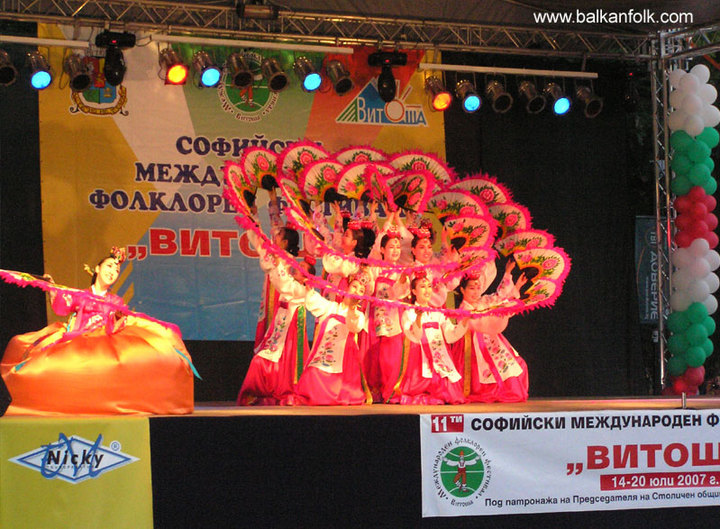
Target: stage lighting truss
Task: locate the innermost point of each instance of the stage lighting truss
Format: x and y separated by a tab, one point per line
465	92
40	73
592	103
309	77
175	70
339	77
274	75
209	73
534	101
500	99
440	97
8	73
78	72
559	101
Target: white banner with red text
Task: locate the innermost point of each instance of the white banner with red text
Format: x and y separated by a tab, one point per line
485	464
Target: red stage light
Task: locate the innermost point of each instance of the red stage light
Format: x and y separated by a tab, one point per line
442	101
177	74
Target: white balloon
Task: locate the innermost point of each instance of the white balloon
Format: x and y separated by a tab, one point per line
677	118
675	76
711	116
681	279
692	104
682	258
698	268
712	281
690	84
713	259
708	93
699	247
702	72
711	304
698	290
694	125
679	301
676	98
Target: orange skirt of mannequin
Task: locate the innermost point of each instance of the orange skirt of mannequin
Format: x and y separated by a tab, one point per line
138	369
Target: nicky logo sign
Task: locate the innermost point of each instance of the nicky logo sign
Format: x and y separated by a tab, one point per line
74	459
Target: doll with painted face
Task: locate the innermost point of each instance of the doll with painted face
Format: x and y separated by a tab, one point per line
492	369
105	359
333	372
430	376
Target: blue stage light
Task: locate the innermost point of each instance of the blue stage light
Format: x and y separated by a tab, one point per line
561	106
465	91
312	82
560	102
209	73
308	75
41	76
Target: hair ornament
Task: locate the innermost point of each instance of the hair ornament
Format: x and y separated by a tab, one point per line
421	233
354	225
309	259
118	253
393	232
367	224
420	274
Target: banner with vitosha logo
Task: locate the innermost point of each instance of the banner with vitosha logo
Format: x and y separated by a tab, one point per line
575	461
79	473
140	165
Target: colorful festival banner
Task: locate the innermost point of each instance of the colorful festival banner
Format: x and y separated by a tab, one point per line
140	165
82	474
577	461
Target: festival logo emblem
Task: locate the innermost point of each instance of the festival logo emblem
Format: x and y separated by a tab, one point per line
74	459
461	472
368	108
101	98
248	104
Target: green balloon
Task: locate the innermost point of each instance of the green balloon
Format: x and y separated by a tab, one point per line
697	151
680	163
681	185
698	174
696	312
708	347
709	137
709	324
696	334
678	322
710	186
695	356
709	163
677	344
676	365
680	140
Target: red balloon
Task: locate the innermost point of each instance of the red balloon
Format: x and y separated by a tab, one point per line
696	194
680	386
712	221
698	210
710	202
683	238
683	203
711	237
684	221
694	376
698	229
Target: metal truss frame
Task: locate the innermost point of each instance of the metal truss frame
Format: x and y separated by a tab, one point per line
211	20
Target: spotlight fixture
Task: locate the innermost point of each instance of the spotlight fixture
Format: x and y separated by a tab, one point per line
339	77
114	68
242	77
256	9
175	70
308	75
501	100
276	79
78	71
465	91
631	95
440	98
534	101
8	73
209	73
560	102
592	102
41	75
386	81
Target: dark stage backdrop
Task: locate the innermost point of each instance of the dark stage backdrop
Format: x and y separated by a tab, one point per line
583	180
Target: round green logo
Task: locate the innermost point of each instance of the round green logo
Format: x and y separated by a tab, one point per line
462	471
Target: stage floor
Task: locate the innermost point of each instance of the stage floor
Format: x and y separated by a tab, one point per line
210	409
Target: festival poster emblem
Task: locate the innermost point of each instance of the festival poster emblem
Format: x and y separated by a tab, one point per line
101	98
368	108
461	472
247	104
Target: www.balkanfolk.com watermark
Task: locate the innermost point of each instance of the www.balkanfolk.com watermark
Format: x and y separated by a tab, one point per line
600	16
